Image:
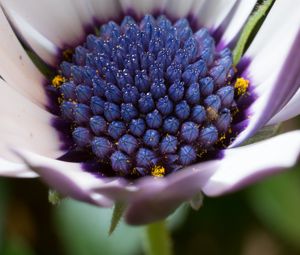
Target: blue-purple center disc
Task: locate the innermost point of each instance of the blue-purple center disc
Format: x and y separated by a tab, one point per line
147	98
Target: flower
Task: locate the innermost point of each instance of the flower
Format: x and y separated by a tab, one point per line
31	146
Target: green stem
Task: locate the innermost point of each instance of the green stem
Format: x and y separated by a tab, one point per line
157	240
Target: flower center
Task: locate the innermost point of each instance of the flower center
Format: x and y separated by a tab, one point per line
148	98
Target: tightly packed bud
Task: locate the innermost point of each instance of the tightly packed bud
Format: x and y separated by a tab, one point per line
147	95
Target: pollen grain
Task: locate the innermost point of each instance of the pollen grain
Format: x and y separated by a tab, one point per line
241	85
58	80
67	54
158	171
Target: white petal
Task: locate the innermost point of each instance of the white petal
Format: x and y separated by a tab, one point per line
141	7
274	27
50	25
25	125
57	20
179	8
85	10
274	67
241	13
44	48
156	198
245	165
16	67
67	178
290	110
266	53
212	13
105	9
10	169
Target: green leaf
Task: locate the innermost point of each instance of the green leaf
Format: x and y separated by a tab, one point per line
276	202
250	26
83	230
40	64
119	209
264	133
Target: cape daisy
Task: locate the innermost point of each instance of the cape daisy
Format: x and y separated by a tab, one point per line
151	95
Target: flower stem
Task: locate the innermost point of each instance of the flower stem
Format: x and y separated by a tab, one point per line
157	240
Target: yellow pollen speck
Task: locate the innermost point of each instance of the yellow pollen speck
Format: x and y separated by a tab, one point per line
158	171
60	100
235	111
58	80
241	85
222	138
211	113
133	171
202	153
67	54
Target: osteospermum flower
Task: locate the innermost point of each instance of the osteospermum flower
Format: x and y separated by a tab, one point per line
147	108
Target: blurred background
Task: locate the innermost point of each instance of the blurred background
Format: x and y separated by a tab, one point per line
261	219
